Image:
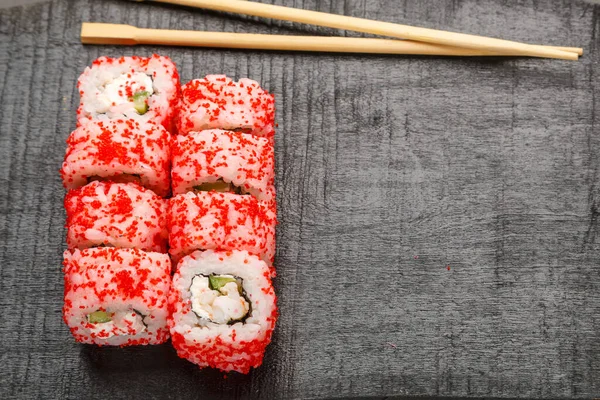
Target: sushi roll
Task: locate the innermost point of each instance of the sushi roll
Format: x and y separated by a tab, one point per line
144	89
116	297
224	221
222	310
121	215
217	102
119	151
223	161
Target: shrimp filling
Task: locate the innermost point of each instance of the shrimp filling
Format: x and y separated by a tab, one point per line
219	299
132	88
119	323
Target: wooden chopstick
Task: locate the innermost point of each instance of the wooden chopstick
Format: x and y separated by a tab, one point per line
101	33
576	50
452	39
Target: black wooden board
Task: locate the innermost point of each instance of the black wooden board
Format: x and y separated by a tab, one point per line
439	218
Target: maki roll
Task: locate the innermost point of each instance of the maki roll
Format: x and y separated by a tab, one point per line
222	310
217	102
119	151
224	221
116	297
116	215
144	89
223	161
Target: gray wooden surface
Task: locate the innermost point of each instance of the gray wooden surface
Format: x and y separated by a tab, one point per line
389	170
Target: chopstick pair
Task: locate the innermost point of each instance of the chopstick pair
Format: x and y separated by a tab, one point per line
421	41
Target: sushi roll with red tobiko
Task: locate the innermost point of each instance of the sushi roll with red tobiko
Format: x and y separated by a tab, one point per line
221	221
121	215
118	151
116	297
222	310
223	161
140	88
218	102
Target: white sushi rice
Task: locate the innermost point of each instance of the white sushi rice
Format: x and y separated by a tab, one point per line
210	262
197	331
107	89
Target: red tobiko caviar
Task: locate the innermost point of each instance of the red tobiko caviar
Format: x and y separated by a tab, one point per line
224	221
122	215
201	159
116	296
120	151
217	102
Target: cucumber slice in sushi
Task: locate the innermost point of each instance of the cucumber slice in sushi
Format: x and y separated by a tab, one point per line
140	101
217	282
99	317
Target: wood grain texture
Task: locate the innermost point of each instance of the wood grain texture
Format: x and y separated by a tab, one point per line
389	169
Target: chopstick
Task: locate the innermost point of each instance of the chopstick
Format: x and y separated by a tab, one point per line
452	39
101	33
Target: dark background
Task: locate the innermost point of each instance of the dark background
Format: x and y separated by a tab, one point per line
389	170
